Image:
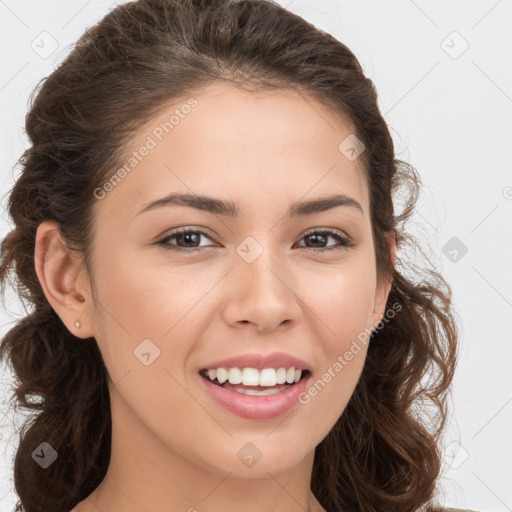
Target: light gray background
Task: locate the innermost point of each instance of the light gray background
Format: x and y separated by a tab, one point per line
450	114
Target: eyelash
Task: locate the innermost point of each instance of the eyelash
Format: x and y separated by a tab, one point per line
344	242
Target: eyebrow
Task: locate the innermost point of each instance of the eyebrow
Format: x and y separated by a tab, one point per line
231	209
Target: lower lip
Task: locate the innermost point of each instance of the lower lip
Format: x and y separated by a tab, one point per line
265	407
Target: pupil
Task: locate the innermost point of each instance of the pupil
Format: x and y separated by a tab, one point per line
316	236
186	237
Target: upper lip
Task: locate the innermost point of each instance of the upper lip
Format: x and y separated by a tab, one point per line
259	361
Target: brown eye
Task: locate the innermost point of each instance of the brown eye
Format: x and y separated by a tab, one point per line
320	237
187	239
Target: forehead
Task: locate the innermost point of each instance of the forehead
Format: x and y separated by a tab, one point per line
251	146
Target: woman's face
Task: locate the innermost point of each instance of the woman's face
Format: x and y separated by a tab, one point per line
258	282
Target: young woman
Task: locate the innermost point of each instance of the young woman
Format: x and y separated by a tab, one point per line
221	317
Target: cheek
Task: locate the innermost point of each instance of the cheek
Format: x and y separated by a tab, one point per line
342	304
148	300
344	348
139	302
342	300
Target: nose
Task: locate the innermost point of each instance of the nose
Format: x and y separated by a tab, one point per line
262	294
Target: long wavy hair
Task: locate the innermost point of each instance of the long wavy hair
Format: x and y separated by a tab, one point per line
383	454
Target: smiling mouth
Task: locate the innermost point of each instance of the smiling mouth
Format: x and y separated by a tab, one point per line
242	388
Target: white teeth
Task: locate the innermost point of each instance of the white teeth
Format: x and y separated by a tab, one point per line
235	376
281	376
267	377
257	392
253	377
222	375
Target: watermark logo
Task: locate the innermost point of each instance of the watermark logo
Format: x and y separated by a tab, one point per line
249	454
44	455
455	455
146	352
454	45
351	147
454	249
44	44
249	249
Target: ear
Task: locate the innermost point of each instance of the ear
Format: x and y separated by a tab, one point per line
384	283
63	279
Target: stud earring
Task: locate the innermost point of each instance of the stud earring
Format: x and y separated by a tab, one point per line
78	324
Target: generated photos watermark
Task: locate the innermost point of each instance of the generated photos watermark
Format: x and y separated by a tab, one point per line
343	360
151	142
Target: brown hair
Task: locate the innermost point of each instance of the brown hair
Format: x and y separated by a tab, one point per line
382	454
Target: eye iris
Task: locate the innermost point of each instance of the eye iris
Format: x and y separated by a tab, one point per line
183	236
316	236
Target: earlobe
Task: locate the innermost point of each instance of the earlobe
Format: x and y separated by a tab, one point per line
59	273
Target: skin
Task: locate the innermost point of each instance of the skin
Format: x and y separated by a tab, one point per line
173	448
